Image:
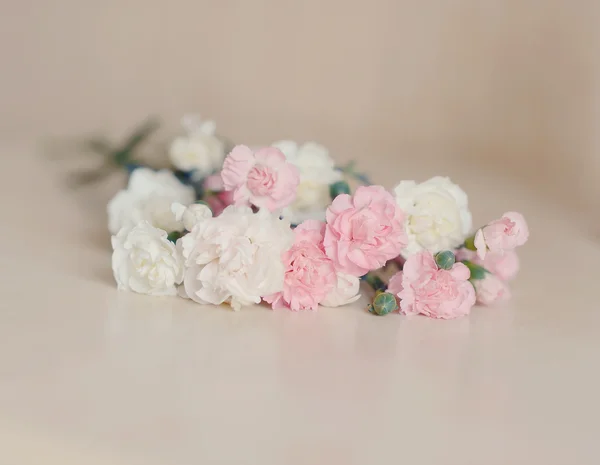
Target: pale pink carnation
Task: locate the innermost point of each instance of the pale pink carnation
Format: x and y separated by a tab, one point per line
219	201
425	289
395	284
491	289
364	231
214	183
263	178
501	235
505	265
216	197
310	274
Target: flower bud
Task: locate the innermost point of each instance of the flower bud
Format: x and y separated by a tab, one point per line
383	303
337	188
445	259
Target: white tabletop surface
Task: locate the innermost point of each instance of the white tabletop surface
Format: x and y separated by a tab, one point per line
90	375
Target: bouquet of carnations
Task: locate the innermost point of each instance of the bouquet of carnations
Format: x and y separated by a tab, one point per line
280	225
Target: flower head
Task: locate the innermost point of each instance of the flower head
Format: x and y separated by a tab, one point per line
317	173
424	288
235	257
501	235
263	178
345	291
505	265
191	215
491	289
200	150
309	275
364	231
216	196
437	214
148	197
145	261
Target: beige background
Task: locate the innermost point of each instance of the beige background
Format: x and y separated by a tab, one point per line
511	85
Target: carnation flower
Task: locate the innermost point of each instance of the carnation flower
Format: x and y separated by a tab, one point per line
310	274
505	265
216	196
345	291
437	214
235	257
148	197
490	290
263	178
145	261
501	235
424	288
200	150
364	231
317	173
190	215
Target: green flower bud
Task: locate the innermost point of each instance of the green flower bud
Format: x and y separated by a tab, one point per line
383	303
337	188
445	259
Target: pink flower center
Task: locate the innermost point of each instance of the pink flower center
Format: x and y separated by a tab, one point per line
261	180
508	227
437	287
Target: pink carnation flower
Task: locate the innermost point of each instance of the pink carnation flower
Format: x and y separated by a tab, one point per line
213	183
505	265
501	235
263	178
364	231
219	199
310	274
426	289
491	289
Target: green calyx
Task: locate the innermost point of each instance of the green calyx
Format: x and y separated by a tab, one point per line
445	259
383	303
477	271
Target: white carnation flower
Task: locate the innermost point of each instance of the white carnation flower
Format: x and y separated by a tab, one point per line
200	150
191	215
149	196
317	172
145	261
437	214
345	291
235	257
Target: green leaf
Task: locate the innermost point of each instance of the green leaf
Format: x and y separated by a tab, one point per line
123	155
445	259
374	281
470	243
477	272
173	236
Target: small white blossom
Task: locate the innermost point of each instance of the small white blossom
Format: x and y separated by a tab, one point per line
190	215
437	214
317	172
345	292
200	151
235	257
145	261
149	196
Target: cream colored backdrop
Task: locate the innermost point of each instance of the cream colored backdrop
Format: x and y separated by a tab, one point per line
512	85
